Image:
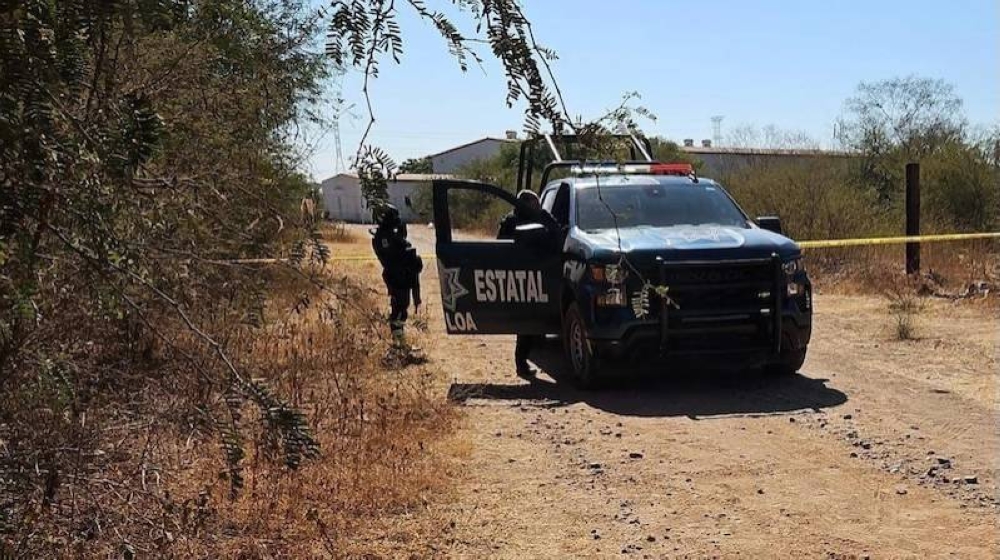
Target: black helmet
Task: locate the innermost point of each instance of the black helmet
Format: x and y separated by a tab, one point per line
387	215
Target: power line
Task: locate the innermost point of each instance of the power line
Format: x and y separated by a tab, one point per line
717	130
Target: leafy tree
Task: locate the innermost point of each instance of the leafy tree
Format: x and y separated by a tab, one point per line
667	151
144	145
363	33
417	165
961	186
894	121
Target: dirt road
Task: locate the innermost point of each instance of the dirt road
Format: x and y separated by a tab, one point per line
880	448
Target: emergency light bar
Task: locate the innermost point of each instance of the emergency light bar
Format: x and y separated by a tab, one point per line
681	169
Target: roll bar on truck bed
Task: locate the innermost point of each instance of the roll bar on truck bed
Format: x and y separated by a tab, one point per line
639	147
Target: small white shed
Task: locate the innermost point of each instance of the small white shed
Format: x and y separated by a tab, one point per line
342	198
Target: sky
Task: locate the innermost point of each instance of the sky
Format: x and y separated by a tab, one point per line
785	63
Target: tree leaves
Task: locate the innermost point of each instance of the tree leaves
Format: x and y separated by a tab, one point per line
142	142
361	32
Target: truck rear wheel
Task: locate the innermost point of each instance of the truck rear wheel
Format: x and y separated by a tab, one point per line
579	352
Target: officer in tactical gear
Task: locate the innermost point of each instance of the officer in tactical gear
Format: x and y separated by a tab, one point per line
401	267
508	226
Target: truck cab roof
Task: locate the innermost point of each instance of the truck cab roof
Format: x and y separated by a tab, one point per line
591	181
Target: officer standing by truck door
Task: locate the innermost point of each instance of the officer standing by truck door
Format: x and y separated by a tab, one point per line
401	267
508	226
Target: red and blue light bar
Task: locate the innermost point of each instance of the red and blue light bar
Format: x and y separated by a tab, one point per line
653	168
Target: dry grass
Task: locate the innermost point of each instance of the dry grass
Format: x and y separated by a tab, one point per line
904	305
142	470
965	272
377	429
337	232
952	269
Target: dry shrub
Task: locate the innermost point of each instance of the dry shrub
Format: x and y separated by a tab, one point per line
337	232
123	455
960	269
904	305
814	197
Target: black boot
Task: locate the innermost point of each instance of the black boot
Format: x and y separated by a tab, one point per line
521	352
523	369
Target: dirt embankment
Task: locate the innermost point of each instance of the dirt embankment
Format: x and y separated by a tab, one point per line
880	448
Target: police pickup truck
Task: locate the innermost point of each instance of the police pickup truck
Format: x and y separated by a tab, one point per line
636	259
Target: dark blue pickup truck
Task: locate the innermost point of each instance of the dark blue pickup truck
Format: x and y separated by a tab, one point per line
639	260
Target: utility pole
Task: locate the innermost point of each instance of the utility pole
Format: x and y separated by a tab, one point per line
717	130
912	216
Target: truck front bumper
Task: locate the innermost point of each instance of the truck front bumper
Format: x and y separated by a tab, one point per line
746	321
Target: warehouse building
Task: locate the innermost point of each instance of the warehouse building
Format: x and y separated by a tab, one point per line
453	159
720	161
342	199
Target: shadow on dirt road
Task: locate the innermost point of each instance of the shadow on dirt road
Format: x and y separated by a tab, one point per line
636	391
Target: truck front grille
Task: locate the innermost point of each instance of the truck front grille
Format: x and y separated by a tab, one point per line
726	305
719	288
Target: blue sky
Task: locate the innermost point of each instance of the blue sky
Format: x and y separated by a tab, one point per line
787	63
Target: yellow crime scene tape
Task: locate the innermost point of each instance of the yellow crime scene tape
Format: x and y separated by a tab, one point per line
817	244
828	243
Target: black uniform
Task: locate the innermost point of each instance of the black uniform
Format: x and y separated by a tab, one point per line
401	267
508	226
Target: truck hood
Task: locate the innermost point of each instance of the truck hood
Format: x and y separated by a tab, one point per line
687	243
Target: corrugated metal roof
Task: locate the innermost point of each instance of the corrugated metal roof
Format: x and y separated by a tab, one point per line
467	144
762	151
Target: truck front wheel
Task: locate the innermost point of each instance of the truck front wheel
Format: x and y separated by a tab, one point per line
579	352
789	362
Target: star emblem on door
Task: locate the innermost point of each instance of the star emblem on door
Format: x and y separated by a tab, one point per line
451	288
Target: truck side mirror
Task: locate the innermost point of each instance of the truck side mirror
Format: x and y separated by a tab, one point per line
770	223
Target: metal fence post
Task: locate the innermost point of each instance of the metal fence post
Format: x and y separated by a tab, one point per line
912	216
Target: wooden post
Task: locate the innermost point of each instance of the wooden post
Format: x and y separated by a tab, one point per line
912	216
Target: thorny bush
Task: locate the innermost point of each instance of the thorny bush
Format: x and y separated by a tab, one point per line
144	145
149	150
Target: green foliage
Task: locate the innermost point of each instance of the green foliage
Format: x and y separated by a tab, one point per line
143	144
417	165
815	198
895	121
471	210
374	169
960	188
500	170
361	33
667	151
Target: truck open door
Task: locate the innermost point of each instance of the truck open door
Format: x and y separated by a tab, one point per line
497	286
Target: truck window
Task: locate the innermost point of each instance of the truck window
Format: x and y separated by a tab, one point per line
635	205
547	198
476	216
560	205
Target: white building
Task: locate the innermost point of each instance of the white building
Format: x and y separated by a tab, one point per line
719	161
342	199
453	159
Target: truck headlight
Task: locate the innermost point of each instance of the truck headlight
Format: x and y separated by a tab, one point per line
614	297
611	273
793	269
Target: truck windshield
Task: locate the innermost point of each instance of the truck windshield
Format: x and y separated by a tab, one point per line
655	206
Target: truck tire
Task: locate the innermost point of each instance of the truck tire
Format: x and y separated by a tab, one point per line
789	363
579	353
